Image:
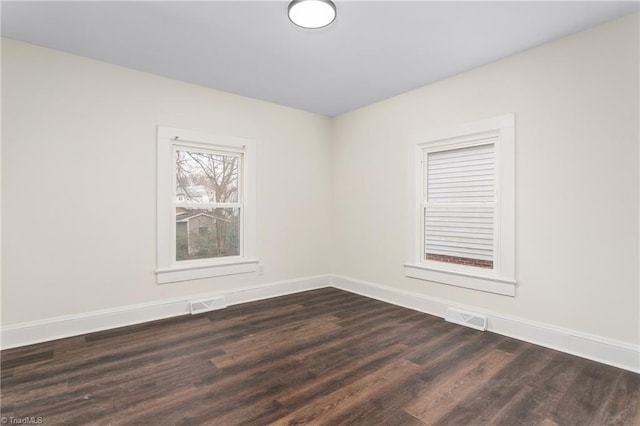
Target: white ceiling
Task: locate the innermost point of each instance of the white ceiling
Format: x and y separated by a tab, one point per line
374	50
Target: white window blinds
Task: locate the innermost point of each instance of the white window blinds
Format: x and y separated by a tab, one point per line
460	205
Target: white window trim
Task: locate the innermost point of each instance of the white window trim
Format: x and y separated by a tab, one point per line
501	279
169	270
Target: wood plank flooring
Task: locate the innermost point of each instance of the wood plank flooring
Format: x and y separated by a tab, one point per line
319	357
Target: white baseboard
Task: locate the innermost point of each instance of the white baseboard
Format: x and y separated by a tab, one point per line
606	351
600	349
73	325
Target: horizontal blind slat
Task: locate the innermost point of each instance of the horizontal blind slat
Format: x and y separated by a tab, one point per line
461	174
470	162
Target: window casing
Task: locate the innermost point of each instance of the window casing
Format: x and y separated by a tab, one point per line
206	205
462	206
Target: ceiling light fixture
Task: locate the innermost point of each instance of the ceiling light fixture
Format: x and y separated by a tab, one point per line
312	13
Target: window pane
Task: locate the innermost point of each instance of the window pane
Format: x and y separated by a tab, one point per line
460	235
459	216
464	175
206	177
207	233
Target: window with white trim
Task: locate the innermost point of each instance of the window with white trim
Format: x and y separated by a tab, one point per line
206	205
462	206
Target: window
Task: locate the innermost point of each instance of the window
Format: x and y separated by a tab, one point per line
208	194
462	206
206	205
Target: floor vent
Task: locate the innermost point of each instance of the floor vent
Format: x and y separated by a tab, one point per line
468	319
205	305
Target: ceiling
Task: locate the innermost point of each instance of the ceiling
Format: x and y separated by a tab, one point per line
374	50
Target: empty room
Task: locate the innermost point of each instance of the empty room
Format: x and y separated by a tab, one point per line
320	212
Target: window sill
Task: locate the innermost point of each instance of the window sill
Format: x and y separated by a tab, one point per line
459	279
194	272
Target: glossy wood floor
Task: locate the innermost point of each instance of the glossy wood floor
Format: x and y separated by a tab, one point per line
319	357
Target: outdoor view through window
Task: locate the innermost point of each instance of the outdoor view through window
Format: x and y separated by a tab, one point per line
207	204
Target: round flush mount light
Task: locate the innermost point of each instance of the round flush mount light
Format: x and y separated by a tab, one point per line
312	13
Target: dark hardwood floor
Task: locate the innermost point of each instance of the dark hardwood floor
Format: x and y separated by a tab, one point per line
319	357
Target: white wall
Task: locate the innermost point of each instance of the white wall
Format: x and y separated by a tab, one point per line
79	183
576	106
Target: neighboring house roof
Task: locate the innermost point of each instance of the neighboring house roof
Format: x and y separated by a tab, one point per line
186	217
